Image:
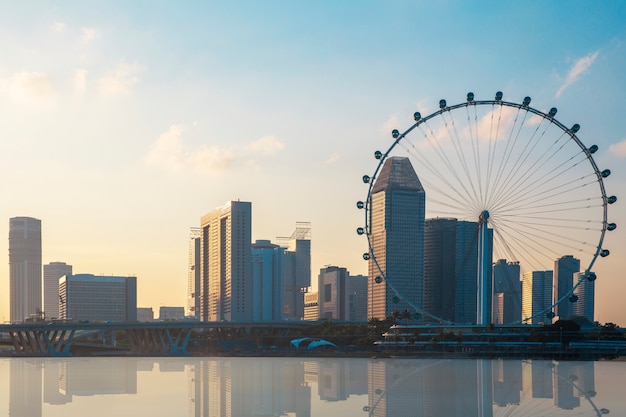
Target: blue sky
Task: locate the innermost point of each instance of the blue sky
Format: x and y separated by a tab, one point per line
121	124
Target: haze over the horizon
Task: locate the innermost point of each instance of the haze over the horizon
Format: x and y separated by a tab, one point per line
122	123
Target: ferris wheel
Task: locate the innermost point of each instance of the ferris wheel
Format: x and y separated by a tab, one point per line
526	180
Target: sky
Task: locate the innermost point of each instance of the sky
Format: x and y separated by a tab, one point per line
122	123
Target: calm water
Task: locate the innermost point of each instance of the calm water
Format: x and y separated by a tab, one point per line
304	387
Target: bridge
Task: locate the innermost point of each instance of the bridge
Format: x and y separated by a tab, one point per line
145	338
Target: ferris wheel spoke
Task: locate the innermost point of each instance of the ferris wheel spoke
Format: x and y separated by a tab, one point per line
462	199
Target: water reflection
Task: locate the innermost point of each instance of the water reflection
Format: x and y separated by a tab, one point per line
297	387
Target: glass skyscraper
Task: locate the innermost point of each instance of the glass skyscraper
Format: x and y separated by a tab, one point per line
397	210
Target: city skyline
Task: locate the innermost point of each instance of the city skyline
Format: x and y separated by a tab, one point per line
117	118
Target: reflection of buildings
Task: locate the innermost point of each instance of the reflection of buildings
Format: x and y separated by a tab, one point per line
507	382
25	388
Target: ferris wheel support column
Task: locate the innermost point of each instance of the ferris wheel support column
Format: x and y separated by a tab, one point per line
483	279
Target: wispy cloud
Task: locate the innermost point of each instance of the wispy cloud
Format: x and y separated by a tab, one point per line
170	152
390	124
89	35
618	149
28	87
121	80
332	158
80	80
579	68
58	26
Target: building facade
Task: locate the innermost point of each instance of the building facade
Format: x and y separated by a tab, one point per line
586	293
297	264
311	306
536	295
357	286
145	314
97	298
171	313
564	270
193	273
268	281
51	274
333	293
226	263
396	266
507	292
25	286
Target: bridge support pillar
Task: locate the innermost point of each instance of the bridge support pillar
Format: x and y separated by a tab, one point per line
168	342
42	342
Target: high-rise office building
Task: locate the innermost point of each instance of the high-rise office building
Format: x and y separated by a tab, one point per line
564	270
507	292
451	269
467	241
334	297
24	268
268	281
536	295
440	267
396	269
357	287
51	274
193	273
297	269
585	305
98	298
226	263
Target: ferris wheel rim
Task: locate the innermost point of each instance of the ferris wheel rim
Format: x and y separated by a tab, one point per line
525	106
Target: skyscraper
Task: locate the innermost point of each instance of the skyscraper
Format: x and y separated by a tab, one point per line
24	268
440	267
268	281
397	210
564	270
334	297
226	263
193	273
297	269
536	295
508	288
51	274
585	305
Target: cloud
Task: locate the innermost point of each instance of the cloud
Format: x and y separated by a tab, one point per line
89	35
120	81
267	145
332	158
580	67
58	26
80	80
390	124
171	153
28	87
618	149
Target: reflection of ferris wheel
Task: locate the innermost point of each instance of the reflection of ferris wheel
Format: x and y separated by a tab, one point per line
526	180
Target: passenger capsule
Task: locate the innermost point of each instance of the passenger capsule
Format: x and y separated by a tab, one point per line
417	115
604	253
526	101
573	298
366	179
442	104
395	300
606	173
611	226
593	149
552	112
366	256
360	204
499	96
612	199
360	230
591	276
378	154
575	128
378	279
395	133
378	391
550	314
470	97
